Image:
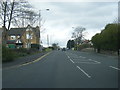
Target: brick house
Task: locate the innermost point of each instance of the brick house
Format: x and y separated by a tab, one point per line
27	37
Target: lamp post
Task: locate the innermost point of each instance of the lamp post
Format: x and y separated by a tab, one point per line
40	25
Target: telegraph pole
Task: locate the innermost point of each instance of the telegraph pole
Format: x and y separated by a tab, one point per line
40	26
48	40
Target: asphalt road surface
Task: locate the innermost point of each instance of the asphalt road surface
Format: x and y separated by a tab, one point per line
64	69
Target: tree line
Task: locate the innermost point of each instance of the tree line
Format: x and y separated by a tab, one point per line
107	39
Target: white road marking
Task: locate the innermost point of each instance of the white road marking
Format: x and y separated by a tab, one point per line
94	61
83	57
72	61
84	72
87	62
114	68
68	57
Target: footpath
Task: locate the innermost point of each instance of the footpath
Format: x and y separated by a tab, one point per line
111	53
23	60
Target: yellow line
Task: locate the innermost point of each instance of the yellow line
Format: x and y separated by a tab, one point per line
35	60
30	62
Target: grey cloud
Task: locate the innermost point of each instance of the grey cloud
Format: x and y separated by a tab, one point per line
65	15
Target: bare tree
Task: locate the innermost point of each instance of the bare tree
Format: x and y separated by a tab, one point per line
17	13
11	13
78	34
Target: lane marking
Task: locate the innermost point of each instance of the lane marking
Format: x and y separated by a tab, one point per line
83	57
35	60
72	61
114	68
87	62
16	66
84	72
94	60
68	57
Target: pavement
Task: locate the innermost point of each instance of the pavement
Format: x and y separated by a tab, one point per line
65	69
22	60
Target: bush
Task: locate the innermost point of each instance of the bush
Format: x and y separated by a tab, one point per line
26	51
47	49
7	54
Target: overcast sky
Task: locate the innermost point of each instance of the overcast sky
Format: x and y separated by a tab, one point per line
65	15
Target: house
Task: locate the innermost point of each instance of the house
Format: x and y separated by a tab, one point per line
26	37
86	42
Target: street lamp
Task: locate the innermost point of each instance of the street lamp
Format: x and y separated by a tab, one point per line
40	25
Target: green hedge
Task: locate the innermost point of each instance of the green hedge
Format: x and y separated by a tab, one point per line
7	54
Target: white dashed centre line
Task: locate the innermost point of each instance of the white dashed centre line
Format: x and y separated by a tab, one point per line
84	72
72	61
68	57
114	68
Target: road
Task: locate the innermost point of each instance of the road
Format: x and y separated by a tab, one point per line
65	69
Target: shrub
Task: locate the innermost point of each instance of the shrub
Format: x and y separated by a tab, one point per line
7	54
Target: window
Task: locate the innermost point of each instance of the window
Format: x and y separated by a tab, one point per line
18	36
13	37
29	36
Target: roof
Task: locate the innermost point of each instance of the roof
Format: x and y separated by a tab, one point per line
16	31
20	31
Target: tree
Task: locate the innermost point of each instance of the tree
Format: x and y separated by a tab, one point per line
70	44
96	42
78	35
108	39
17	13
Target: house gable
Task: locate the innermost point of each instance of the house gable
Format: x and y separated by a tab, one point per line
28	35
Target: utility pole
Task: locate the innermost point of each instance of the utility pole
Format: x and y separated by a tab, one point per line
48	40
29	38
40	27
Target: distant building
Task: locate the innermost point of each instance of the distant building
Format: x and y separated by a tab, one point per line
86	42
27	37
